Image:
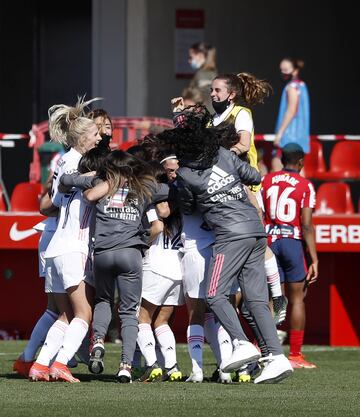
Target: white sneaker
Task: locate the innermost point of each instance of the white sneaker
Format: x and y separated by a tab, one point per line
244	352
196	377
276	369
224	377
124	374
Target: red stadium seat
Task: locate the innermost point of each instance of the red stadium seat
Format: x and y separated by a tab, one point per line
344	161
26	196
334	198
314	164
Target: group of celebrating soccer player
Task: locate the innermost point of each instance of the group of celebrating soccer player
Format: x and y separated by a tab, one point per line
183	218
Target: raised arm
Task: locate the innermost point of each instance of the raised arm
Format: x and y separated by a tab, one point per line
243	145
82	181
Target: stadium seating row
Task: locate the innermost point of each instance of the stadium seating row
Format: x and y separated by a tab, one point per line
25	197
344	161
331	198
334	198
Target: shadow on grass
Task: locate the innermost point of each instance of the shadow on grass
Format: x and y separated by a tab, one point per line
82	377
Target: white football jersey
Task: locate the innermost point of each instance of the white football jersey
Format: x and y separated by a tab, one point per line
73	230
48	225
67	164
195	233
164	256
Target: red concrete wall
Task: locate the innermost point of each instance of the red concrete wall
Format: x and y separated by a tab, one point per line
333	310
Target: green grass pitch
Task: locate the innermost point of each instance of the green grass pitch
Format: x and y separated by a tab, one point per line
331	390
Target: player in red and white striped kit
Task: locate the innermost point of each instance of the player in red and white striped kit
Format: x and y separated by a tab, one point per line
289	200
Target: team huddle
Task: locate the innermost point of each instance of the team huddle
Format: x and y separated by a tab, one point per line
183	218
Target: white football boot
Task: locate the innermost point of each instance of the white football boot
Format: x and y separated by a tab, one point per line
196	377
244	352
224	377
276	369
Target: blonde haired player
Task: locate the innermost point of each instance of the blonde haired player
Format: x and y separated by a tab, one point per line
67	125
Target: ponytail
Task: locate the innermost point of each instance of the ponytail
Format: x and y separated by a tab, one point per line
247	88
253	90
67	124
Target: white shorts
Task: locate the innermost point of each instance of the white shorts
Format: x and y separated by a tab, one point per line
43	244
68	270
195	265
162	291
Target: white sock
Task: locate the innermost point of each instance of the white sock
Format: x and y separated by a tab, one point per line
53	342
73	338
211	330
38	334
226	346
136	363
195	339
166	339
273	277
146	342
84	350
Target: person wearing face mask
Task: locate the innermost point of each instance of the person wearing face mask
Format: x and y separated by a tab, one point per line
103	122
229	94
202	58
232	95
293	122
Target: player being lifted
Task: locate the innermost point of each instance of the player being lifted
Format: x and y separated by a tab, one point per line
289	200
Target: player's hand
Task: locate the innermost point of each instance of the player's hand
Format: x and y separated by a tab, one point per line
177	104
235	150
312	274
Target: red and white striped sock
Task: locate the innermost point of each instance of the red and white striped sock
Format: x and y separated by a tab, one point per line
166	339
225	343
146	342
273	277
73	338
53	342
211	328
195	339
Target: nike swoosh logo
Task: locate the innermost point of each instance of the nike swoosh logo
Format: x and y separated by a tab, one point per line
17	235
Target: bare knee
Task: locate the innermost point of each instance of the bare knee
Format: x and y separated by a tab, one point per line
147	311
164	315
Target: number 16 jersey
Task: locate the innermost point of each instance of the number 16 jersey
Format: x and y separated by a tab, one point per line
284	194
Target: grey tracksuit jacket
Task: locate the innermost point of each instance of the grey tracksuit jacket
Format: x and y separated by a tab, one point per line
240	243
218	192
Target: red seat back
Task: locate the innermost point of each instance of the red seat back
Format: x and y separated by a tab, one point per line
333	198
345	160
314	163
26	197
